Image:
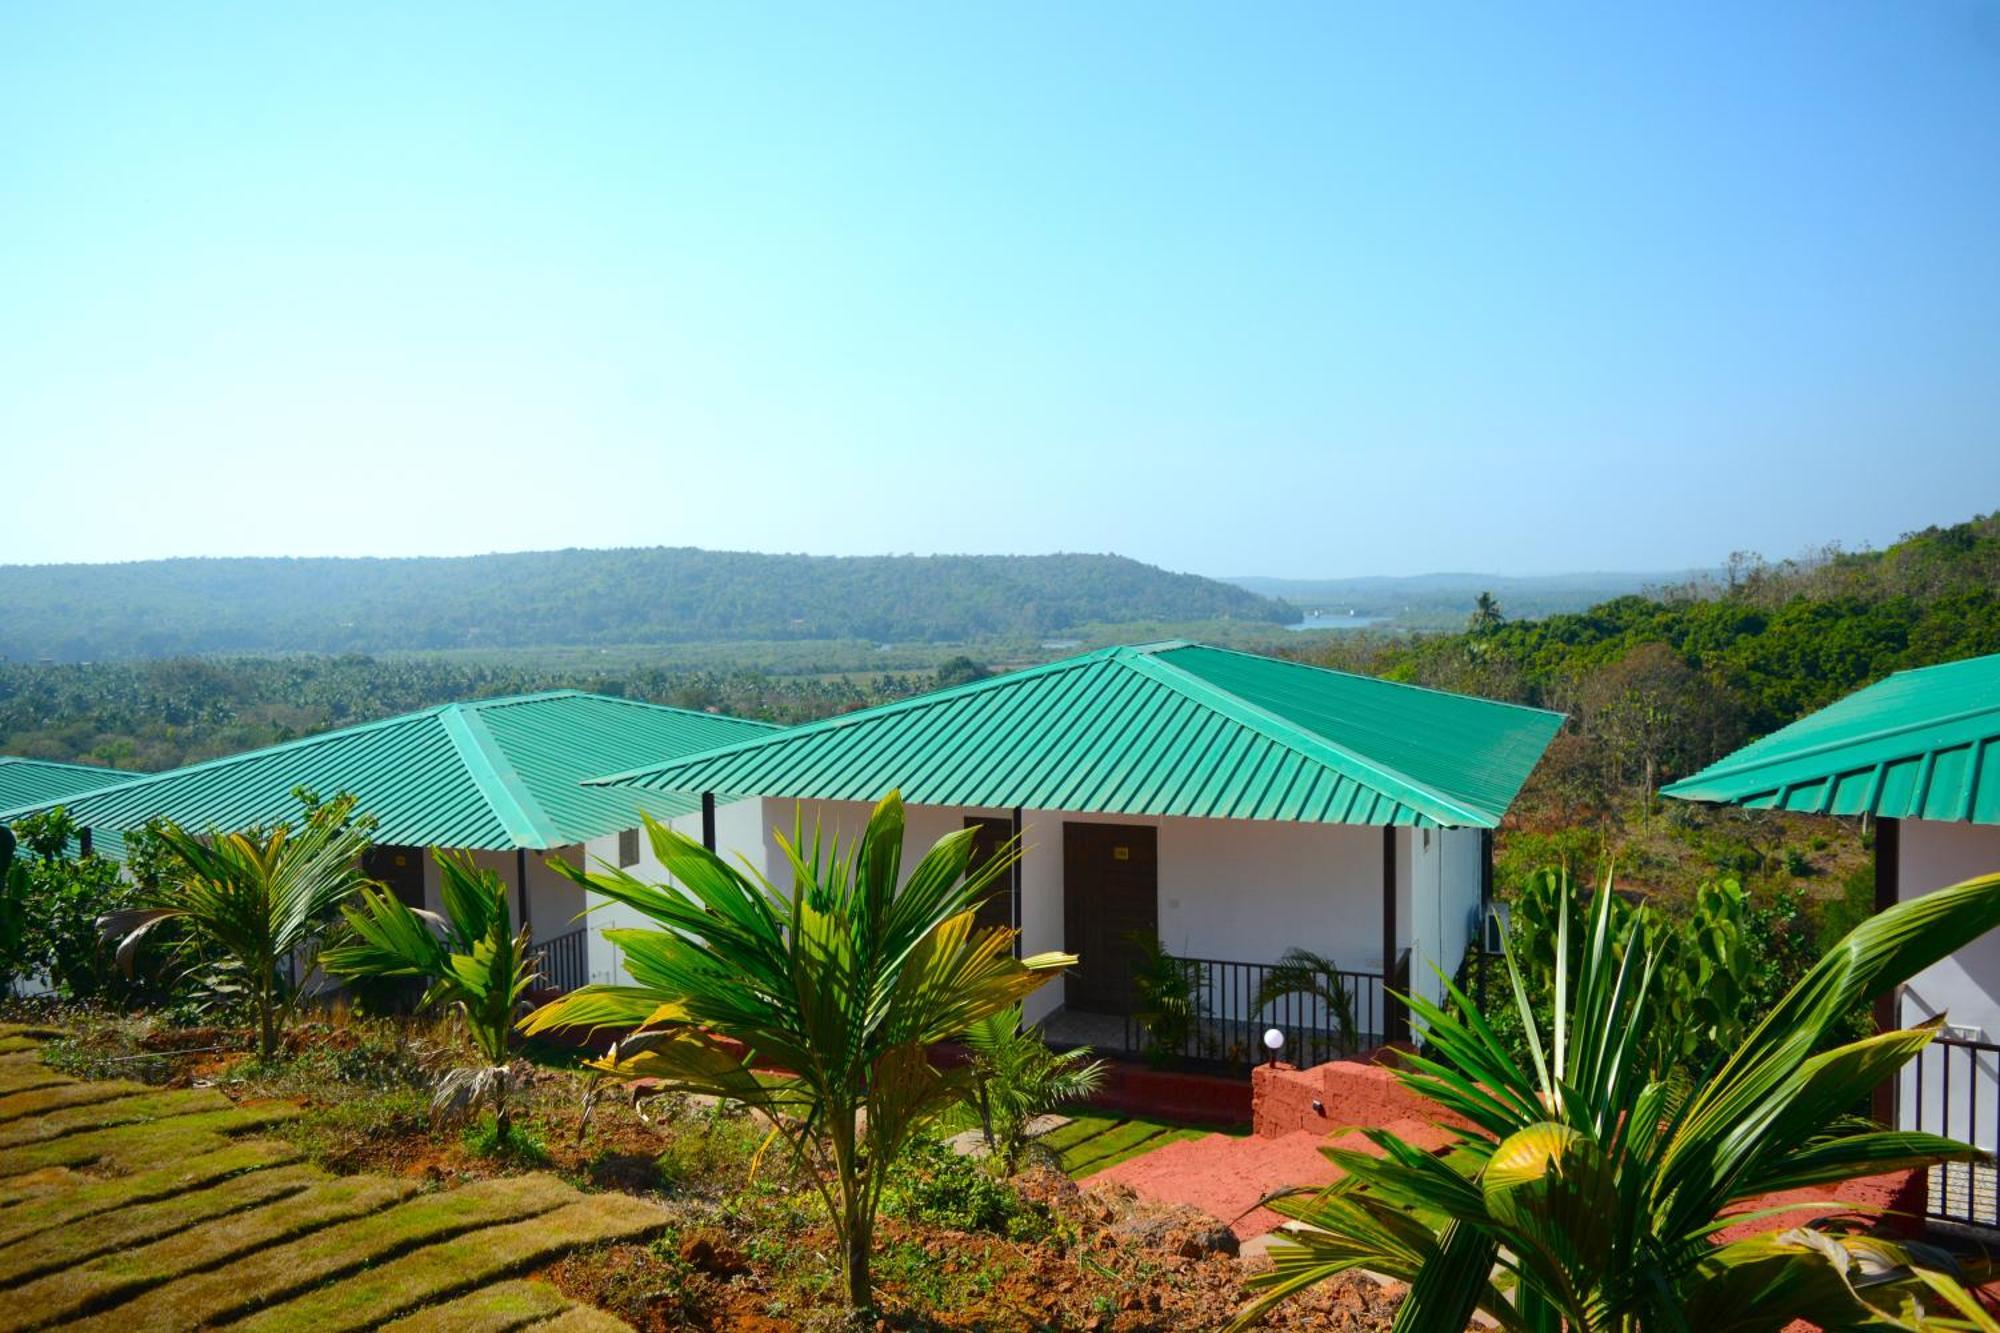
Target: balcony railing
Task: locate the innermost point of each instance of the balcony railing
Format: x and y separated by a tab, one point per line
564	959
1216	1012
1953	1088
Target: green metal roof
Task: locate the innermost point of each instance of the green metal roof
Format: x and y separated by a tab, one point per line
33	781
1164	729
492	774
1923	744
43	782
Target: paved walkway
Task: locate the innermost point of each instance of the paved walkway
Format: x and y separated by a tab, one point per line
123	1207
1227	1177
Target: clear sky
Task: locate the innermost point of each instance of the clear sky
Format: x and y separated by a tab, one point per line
1315	290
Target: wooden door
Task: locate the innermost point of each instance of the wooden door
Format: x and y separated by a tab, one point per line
997	908
1111	892
398	869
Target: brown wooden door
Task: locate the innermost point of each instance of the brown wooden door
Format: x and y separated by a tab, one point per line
399	869
1111	892
997	908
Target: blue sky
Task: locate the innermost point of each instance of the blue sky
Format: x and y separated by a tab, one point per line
1304	290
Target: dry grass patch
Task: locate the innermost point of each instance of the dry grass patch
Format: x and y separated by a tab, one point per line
73	1197
60	1297
270	1271
495	1309
140	1223
367	1299
147	1105
146	1143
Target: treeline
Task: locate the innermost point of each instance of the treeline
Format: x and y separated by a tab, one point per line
153	715
166	608
1657	686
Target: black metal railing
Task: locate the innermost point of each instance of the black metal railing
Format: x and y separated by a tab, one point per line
564	960
1215	1011
1953	1088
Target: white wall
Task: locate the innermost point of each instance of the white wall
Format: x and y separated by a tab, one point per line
553	901
742	831
1964	988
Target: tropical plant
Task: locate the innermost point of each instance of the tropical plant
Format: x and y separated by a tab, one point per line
1016	1078
1316	978
251	901
13	912
1166	997
814	1007
473	959
1594	1182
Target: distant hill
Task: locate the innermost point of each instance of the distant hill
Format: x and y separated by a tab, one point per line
160	608
1430	601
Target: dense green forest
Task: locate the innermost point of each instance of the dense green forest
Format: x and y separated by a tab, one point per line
164	608
1657	686
151	715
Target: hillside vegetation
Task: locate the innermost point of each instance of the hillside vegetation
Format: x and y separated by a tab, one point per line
163	608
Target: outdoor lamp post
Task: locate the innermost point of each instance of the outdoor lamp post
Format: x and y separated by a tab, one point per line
1274	1041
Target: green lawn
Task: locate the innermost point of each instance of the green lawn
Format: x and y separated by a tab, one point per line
1096	1140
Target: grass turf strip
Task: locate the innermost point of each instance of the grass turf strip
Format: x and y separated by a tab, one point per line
174	1139
147	1105
83	1197
19	1076
368	1298
141	1223
500	1308
58	1297
274	1271
55	1096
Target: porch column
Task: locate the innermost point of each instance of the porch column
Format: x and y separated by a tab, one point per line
1485	908
1014	883
1888	891
708	820
1393	1027
521	880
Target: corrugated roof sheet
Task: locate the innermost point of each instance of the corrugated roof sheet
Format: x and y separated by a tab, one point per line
1163	729
491	774
44	782
1922	744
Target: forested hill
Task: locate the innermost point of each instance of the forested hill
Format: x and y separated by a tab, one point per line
635	596
1657	686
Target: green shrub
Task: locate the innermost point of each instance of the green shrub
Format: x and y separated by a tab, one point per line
521	1144
939	1187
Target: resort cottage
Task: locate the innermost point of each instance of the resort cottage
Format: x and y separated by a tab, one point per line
1222	807
499	778
1918	753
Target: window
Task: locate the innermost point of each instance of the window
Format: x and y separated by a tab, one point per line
628	848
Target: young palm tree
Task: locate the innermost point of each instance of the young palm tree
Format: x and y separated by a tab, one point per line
842	984
1598	1177
1316	978
252	898
474	960
1016	1077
